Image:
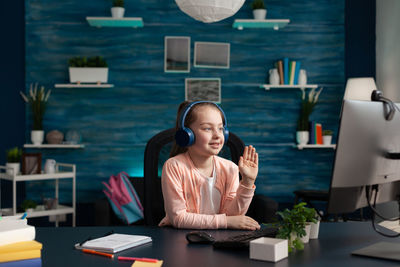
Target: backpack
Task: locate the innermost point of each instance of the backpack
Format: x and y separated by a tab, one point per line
123	198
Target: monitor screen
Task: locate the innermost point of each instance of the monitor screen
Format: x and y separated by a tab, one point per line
365	138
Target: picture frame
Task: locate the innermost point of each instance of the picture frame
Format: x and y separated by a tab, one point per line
31	163
212	55
203	89
177	54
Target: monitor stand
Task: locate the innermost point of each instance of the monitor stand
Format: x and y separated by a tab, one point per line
382	250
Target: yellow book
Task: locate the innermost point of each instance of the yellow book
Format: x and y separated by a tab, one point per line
20	255
20	246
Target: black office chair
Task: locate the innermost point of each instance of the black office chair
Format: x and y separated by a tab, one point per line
157	152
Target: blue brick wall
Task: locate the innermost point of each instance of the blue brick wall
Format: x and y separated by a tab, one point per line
115	123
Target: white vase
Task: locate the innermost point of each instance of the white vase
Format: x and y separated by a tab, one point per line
302	137
37	137
314	231
302	77
273	77
117	12
259	14
12	168
327	139
306	238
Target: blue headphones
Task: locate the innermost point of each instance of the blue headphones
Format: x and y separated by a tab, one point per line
184	136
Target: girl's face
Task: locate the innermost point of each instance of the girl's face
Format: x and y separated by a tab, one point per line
208	131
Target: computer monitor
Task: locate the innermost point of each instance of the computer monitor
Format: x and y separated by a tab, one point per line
366	144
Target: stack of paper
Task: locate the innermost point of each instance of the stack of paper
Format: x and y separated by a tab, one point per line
17	245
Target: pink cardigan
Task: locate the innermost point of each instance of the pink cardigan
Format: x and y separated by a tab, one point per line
181	183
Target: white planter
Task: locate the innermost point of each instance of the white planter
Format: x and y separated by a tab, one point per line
314	230
12	168
327	139
88	75
259	14
117	12
302	137
37	137
306	238
268	249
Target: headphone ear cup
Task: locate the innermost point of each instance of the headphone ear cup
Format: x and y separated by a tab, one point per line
184	137
226	135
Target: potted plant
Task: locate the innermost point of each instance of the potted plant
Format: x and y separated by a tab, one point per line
259	10
28	205
88	70
13	160
37	99
118	10
293	225
307	105
327	137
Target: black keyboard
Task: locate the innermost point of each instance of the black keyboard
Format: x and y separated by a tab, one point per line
242	241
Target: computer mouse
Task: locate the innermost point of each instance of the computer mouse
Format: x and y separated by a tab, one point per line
199	237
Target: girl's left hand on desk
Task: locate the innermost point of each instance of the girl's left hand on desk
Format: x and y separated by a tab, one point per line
248	166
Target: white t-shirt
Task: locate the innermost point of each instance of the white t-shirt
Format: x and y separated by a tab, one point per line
210	196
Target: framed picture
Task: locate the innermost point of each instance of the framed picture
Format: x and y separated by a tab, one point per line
176	54
206	89
212	55
31	163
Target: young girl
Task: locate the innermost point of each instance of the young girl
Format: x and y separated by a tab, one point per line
202	190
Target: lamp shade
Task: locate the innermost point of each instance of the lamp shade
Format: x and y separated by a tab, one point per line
209	10
359	88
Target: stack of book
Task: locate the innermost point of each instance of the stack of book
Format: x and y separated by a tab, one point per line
17	244
315	133
288	71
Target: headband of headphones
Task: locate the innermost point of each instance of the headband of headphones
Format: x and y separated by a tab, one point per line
184	136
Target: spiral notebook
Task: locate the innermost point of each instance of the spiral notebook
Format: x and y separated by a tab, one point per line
114	243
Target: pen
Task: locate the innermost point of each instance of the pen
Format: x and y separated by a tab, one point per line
136	259
98	253
24	216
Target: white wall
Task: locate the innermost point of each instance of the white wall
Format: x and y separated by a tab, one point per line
388	48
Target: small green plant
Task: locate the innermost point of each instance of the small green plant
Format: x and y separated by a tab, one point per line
38	101
258	4
28	204
327	132
14	155
293	223
118	3
93	62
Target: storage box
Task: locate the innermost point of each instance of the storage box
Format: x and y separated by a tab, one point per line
268	249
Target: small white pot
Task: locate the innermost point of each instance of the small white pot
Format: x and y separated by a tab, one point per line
117	12
306	238
302	137
327	139
88	75
259	14
314	230
37	137
12	168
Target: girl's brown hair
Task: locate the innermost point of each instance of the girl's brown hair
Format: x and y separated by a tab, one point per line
189	119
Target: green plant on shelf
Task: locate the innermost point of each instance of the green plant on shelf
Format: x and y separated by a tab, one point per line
28	204
306	108
293	223
118	3
14	155
91	62
258	4
327	132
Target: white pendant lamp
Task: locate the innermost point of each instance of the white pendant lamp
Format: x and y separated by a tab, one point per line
209	10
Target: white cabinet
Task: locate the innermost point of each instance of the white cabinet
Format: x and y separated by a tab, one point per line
63	171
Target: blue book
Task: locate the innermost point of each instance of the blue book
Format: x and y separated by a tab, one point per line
286	70
311	129
37	262
296	72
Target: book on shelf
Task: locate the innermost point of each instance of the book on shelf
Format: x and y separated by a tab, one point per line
280	71
36	262
20	251
296	72
311	127
318	134
114	243
10	233
292	69
286	70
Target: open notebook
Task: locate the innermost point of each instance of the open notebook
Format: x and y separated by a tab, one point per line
114	243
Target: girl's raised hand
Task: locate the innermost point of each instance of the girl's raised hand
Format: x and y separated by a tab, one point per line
248	166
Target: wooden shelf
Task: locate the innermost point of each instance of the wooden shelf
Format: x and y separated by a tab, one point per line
275	24
54	146
112	22
84	85
300	147
288	86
